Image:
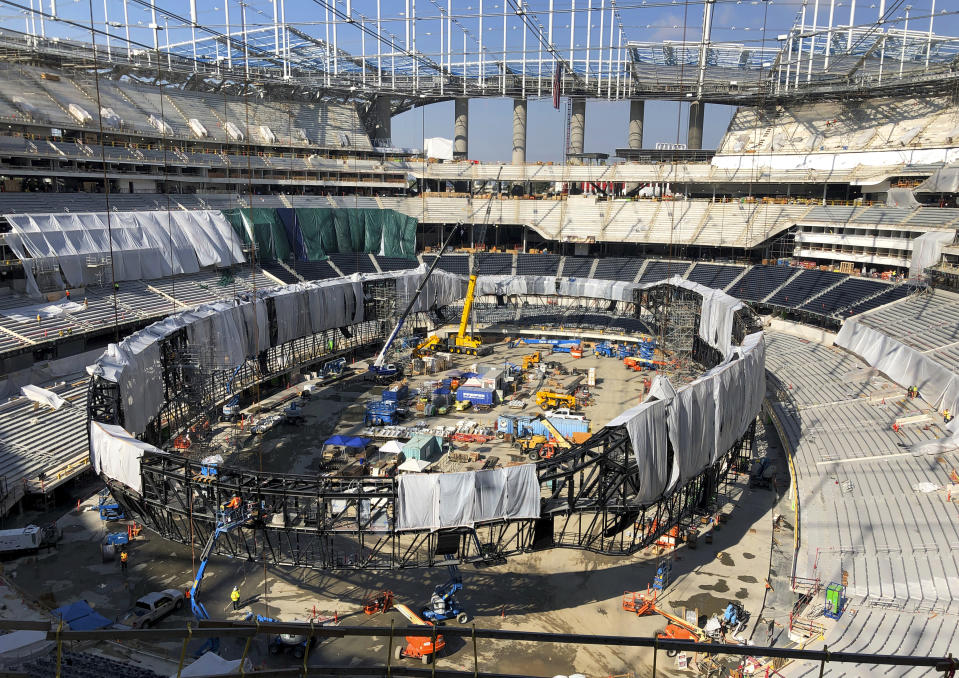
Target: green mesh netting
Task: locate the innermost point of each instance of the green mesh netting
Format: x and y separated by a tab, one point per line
327	231
266	228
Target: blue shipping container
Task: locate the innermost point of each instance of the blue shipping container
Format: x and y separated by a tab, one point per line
397	392
567	427
477	396
506	424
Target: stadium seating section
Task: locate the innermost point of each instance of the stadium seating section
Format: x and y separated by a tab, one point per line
825	126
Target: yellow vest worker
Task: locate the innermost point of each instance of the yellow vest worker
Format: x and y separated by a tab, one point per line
235	597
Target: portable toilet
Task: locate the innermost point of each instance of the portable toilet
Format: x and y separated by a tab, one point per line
834	600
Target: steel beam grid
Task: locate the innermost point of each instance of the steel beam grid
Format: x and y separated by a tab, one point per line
588	492
726	80
340	523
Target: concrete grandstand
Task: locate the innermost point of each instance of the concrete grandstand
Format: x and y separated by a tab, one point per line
151	192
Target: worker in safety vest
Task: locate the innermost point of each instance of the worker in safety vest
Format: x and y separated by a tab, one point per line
235	597
124	557
947	416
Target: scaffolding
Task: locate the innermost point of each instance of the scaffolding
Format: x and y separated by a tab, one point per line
674	313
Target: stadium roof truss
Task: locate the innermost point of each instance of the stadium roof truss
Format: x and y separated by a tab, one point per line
363	48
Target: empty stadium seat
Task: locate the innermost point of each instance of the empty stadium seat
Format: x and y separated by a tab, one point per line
760	281
807	284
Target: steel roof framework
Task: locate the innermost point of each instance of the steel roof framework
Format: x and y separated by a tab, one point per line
500	48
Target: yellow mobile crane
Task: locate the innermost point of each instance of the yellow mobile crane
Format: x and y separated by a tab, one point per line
462	342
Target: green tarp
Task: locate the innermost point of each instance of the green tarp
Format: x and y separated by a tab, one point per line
327	231
263	226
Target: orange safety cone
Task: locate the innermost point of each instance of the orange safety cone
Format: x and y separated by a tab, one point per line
502	611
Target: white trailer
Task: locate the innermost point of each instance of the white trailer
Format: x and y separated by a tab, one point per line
29	538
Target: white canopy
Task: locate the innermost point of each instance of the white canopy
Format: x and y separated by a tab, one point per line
392	447
413	465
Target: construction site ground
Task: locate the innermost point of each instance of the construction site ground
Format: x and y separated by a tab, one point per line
559	590
338	408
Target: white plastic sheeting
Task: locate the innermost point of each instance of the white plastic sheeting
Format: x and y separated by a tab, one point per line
646	426
435	501
143	245
926	250
901	197
943	180
232	331
439	148
116	454
506	285
904	365
701	420
43	396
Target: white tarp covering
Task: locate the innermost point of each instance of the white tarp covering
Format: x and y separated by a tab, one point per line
904	365
116	454
234	331
42	396
212	664
943	180
439	500
25	314
143	245
926	250
692	427
646	425
901	197
701	420
439	148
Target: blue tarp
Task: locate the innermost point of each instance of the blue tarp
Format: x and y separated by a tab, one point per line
79	616
344	441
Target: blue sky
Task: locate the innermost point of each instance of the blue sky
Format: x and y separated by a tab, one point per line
491	120
454	28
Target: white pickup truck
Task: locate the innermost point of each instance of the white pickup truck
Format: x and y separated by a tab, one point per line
153	607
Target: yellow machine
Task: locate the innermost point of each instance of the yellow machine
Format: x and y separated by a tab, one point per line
530	443
550	399
555	434
530	360
426	347
462	342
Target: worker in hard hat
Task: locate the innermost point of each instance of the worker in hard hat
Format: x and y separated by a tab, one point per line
947	415
235	597
124	557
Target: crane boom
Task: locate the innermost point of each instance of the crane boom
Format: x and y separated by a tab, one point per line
467	304
378	364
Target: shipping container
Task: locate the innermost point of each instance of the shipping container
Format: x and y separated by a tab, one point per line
506	424
566	427
477	396
397	392
422	447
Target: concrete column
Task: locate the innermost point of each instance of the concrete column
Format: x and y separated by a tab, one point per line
694	138
519	131
637	112
577	126
381	117
461	117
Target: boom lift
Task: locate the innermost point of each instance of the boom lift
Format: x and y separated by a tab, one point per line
379	368
227	520
462	342
443	603
418	647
